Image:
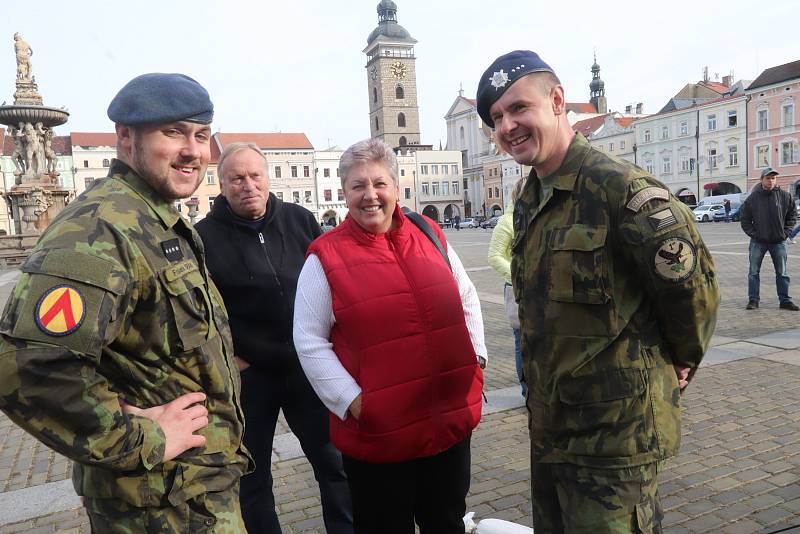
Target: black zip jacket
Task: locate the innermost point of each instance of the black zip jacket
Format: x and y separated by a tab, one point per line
768	216
256	270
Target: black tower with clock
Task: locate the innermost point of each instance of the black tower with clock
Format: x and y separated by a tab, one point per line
392	81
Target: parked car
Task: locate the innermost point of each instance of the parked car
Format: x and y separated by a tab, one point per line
326	227
705	212
467	223
491	223
719	215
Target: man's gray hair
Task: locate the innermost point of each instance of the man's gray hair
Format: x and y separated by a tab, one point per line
233	148
368	151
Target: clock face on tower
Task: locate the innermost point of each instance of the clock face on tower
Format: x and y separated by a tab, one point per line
373	73
398	69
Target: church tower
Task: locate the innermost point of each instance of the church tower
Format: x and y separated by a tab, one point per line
392	80
597	91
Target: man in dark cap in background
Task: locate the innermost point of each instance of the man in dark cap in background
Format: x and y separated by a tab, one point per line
116	350
767	216
617	301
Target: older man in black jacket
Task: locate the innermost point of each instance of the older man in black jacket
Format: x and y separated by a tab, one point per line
767	216
256	246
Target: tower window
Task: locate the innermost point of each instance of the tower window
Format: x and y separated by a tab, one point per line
401	120
374	94
377	126
399	93
403	141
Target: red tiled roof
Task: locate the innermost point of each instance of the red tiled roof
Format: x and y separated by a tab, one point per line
715	86
267	141
62	145
94	139
8	144
215	153
2	141
624	121
581	107
589	126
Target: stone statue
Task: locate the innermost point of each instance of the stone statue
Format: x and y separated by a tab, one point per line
39	155
31	140
49	153
24	53
18	156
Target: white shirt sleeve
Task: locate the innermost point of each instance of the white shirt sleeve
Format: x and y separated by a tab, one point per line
471	303
313	320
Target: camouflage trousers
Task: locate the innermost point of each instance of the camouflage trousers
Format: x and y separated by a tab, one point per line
211	513
572	499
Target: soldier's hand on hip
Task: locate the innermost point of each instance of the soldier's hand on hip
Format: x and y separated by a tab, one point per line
683	375
179	420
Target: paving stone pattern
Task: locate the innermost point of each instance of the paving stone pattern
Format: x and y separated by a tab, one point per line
738	470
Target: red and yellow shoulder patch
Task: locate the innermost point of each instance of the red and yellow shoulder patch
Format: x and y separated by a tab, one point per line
60	311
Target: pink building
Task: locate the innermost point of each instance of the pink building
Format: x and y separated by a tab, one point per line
773	126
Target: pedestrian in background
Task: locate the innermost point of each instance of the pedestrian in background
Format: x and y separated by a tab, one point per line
727	205
500	261
255	247
768	215
618	301
389	330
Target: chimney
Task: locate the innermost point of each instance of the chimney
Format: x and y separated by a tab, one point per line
639	108
628	109
726	81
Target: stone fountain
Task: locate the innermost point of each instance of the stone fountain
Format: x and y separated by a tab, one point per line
36	197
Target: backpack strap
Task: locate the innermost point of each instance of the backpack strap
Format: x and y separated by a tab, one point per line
420	222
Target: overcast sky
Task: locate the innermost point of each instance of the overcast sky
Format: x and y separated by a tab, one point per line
298	66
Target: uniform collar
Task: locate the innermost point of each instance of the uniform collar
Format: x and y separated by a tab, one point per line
564	177
165	209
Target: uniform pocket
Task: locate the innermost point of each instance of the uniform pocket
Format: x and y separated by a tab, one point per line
605	414
188	297
578	271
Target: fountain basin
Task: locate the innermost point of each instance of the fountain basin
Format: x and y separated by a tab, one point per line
13	115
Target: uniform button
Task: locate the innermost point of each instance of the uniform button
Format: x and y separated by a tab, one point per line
210	522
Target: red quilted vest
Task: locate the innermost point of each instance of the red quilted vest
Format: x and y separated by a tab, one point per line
400	332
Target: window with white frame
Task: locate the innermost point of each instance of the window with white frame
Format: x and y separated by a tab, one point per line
621	147
445	169
762	156
787	114
490	192
666	164
434	169
279	194
647	135
402	172
326	173
733	156
407	193
712	121
684	162
648	166
328	195
423	169
712	158
763	124
665	132
455	187
211	202
446	188
611	147
453	169
425	188
296	197
435	189
210	178
732	118
684	127
788	153
307	196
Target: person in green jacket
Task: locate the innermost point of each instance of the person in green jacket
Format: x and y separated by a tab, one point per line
618	301
500	261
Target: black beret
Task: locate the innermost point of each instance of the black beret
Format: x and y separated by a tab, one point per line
158	98
501	74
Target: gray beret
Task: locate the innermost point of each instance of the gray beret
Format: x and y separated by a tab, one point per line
158	98
502	74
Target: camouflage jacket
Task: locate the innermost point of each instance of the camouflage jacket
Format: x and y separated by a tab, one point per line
115	303
614	286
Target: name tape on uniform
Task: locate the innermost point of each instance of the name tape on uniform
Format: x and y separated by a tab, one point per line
645	195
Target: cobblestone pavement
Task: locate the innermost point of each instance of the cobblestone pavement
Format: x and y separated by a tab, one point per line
738	470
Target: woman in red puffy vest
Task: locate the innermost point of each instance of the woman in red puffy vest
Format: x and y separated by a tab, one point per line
391	337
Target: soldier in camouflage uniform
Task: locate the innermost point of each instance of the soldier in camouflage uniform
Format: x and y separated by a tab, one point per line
115	347
618	301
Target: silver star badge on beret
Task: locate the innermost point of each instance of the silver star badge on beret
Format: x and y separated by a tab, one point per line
499	79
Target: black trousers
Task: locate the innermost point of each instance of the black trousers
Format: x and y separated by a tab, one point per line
388	498
263	395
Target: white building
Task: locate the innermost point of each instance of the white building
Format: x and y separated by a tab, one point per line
723	146
92	153
615	136
331	206
439	178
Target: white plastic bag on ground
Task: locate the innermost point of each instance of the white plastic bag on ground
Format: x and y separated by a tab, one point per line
498	526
